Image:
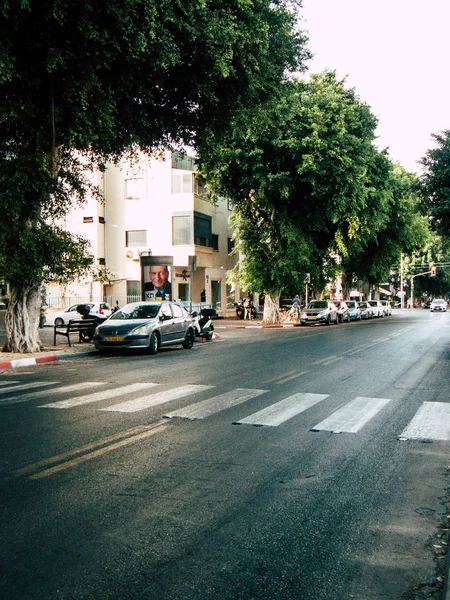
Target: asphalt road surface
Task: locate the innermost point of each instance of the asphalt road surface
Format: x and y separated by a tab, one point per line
272	464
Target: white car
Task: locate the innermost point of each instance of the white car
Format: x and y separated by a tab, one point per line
387	308
377	308
438	304
97	309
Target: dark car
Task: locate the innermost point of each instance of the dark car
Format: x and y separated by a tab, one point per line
319	311
146	325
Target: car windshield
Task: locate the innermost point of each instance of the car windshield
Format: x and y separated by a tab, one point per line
351	304
438	302
317	304
362	305
373	303
136	311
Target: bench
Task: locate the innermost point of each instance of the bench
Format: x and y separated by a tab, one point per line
84	328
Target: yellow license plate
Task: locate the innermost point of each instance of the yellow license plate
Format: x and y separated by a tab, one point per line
312	318
114	338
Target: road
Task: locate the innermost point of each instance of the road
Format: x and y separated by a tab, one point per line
271	464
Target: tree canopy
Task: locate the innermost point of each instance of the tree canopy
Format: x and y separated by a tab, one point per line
83	82
436	183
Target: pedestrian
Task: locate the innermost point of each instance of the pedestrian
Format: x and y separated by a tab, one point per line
248	306
117	307
295	308
203	296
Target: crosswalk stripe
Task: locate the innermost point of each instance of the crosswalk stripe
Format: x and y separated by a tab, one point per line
26	386
431	421
351	417
208	407
62	390
282	411
99	396
156	399
3	383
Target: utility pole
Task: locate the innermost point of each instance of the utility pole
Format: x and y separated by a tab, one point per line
433	273
402	293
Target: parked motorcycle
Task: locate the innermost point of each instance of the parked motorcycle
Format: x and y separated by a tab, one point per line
203	325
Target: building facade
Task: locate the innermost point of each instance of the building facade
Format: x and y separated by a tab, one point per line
153	207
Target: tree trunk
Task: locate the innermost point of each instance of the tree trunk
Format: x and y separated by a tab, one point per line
271	313
22	320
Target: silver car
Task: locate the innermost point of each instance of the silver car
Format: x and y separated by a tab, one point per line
366	310
319	311
146	325
377	308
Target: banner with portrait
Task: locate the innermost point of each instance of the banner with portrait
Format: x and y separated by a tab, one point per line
156	278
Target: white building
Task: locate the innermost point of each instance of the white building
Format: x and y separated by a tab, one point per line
157	207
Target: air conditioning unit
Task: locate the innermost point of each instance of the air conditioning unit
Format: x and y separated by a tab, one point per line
133	253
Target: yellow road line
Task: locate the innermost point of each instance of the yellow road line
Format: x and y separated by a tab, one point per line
128	434
292	377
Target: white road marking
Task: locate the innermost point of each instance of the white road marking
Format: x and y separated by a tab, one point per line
99	396
27	386
3	383
431	421
351	417
283	410
156	399
208	407
62	390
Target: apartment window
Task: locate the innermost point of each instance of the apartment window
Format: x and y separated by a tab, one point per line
229	204
135	188
133	290
182	230
230	245
101	261
215	241
101	220
135	239
88	219
182	183
182	161
202	230
200	185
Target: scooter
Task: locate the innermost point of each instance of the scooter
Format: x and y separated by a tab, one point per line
203	325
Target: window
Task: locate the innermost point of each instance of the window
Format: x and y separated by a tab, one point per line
215	241
202	230
177	312
182	231
199	185
182	161
229	204
133	290
230	245
182	183
101	261
135	188
101	220
135	239
88	219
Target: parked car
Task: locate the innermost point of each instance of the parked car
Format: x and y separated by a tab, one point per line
387	307
366	310
343	313
377	308
438	304
319	311
146	325
354	311
97	309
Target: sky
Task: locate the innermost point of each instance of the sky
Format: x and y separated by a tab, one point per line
396	54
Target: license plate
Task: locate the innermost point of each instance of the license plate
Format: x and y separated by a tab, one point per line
312	318
114	338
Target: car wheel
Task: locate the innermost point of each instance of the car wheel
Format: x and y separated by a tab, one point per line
59	322
153	344
189	340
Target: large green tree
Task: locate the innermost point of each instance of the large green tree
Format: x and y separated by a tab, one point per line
84	81
307	161
436	183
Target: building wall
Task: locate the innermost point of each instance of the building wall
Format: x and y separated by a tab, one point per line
141	198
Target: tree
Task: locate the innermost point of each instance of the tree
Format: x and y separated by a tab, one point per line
301	161
83	82
435	183
398	227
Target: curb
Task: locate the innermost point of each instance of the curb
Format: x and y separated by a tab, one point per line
26	362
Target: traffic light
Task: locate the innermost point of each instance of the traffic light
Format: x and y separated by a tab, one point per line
433	271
